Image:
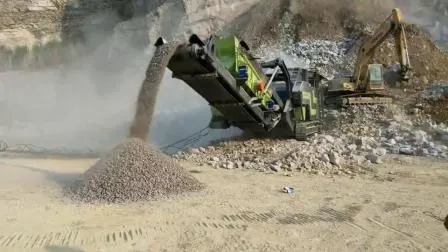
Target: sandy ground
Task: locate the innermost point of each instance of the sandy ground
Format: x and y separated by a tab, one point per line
400	208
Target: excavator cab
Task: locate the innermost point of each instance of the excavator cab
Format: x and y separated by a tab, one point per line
375	79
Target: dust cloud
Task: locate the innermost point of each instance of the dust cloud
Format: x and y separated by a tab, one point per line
90	105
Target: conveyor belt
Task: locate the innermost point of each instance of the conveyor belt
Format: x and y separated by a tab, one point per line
215	84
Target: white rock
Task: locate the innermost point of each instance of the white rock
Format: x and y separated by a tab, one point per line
229	165
325	158
373	158
380	151
276	168
352	147
330	139
195	151
334	158
407	151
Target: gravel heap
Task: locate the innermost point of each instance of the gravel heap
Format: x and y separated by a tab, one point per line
329	57
354	138
133	171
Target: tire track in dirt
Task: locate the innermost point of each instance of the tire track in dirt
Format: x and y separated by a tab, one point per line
237	243
194	238
321	215
249	217
233	224
217	225
69	238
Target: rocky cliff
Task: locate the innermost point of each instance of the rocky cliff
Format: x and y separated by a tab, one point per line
39	33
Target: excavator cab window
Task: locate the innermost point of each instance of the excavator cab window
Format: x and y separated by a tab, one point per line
375	75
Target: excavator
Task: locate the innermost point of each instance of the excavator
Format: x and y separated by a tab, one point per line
263	98
367	84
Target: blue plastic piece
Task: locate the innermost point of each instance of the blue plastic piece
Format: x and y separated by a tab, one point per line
270	105
242	72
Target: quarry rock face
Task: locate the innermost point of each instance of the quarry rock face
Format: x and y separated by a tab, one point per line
28	26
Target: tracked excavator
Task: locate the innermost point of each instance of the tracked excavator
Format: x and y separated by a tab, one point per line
367	84
263	98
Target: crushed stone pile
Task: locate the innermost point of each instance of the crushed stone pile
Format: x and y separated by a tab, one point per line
133	171
434	102
437	109
353	138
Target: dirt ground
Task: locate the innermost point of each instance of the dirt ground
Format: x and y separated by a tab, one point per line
398	208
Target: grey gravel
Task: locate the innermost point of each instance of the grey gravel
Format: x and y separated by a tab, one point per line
133	171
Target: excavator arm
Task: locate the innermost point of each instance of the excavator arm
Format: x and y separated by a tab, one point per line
392	25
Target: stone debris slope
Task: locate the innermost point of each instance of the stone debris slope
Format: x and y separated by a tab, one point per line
354	137
133	171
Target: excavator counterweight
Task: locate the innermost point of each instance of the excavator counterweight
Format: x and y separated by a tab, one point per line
367	84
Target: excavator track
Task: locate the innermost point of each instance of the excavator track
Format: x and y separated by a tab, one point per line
358	99
366	100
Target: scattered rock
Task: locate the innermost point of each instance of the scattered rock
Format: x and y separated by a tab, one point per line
334	158
374	158
325	158
380	151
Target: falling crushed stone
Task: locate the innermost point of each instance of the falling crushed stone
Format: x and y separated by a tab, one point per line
135	171
147	96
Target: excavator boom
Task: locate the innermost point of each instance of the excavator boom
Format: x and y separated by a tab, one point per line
392	25
367	80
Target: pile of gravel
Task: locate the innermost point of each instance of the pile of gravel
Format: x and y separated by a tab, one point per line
133	171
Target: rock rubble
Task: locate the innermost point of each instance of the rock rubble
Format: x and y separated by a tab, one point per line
353	138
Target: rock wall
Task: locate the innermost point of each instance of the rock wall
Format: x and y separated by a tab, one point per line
40	33
37	33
